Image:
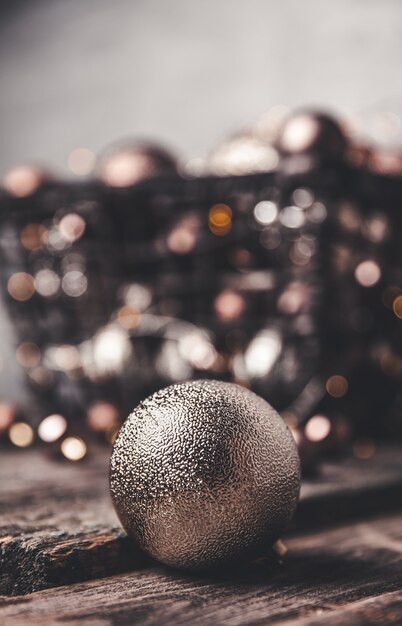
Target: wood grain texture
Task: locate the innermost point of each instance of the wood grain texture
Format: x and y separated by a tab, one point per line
58	526
384	609
346	575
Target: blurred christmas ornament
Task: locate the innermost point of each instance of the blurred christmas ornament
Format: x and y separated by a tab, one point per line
204	474
24	180
314	133
243	153
127	163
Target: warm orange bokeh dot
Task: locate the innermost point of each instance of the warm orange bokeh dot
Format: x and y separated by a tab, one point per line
336	386
33	236
397	306
220	219
21	434
73	448
20	286
28	354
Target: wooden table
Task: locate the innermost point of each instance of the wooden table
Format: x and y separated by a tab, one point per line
65	560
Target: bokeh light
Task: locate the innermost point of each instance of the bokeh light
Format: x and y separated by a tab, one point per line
303	197
72	227
47	283
220	219
28	354
65	357
292	217
33	236
183	236
397	307
52	428
367	273
23	180
336	386
21	434
262	353
265	212
21	286
74	283
229	305
317	428
299	133
102	416
73	448
81	161
128	316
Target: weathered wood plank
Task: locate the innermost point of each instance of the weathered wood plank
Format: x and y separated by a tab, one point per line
322	576
58	525
380	610
54	558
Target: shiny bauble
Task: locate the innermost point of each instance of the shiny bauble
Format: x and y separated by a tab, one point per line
309	132
128	163
204	474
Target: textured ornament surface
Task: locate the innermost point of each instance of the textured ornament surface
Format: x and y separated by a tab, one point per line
203	474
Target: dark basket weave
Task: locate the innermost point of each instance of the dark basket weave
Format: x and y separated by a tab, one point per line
152	292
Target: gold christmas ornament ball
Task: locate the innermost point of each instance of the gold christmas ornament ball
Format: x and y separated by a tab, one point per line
204	474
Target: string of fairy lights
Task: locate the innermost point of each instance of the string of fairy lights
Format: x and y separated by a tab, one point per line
275	262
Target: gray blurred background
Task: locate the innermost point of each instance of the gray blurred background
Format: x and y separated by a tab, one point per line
87	72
